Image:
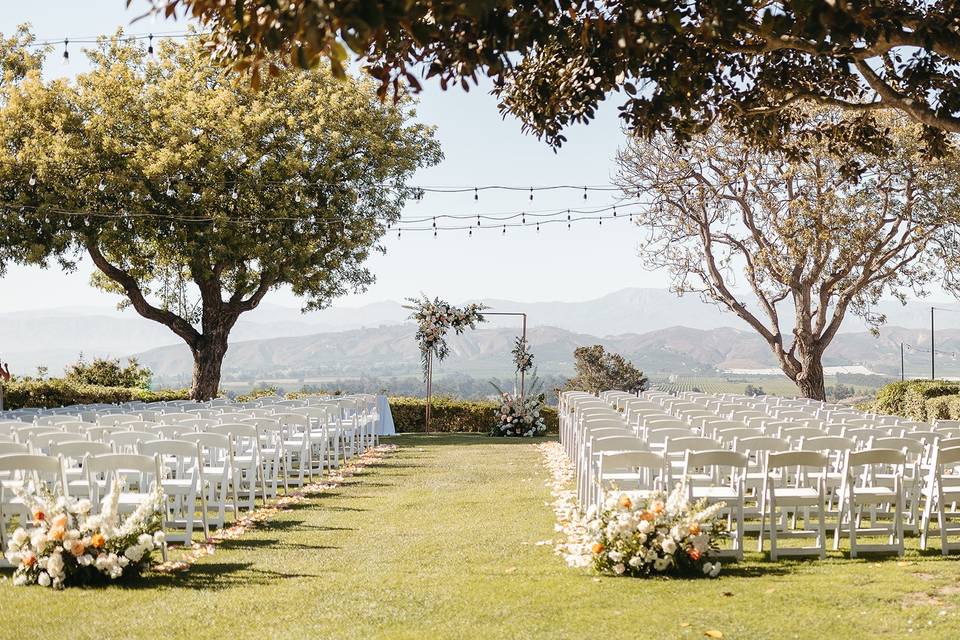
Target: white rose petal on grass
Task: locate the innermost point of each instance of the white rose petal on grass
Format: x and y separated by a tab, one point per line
716	570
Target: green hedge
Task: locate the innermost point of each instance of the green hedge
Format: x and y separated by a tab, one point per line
915	399
452	416
59	393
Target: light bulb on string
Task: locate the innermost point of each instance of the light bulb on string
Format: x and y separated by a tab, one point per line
434	234
568	216
470	233
478	220
170	190
504	229
234	194
538	227
150	45
601	221
434	223
614	211
584	193
531	193
476	194
398	234
102	185
66	52
523	217
33	179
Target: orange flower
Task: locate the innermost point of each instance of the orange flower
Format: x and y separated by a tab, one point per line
29	559
647	515
694	529
57	533
625	501
694	554
657	507
598	547
78	549
97	541
60	521
39	516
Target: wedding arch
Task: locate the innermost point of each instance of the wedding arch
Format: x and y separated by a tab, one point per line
436	317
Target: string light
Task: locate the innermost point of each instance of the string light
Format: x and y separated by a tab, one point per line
476	194
150	45
584	193
531	193
66	52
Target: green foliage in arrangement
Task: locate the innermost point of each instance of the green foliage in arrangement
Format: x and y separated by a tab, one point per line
453	416
58	392
106	372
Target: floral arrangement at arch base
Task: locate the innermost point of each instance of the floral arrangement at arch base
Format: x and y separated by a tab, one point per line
659	535
68	546
434	318
516	417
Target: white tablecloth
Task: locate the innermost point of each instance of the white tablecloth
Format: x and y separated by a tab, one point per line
385	421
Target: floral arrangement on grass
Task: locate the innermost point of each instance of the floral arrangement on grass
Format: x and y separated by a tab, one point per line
69	546
434	318
520	415
522	357
661	535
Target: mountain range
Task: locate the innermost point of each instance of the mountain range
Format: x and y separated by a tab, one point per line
653	327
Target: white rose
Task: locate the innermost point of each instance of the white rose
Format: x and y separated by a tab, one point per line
707	568
615	556
669	546
145	540
55	564
635	561
85	560
38	539
134	552
651	555
619	568
159	537
715	570
43	579
20	536
644	526
83	506
661	564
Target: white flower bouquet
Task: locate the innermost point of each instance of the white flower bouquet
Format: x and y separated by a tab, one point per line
661	535
520	418
68	546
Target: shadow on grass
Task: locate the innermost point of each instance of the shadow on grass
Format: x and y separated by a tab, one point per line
251	544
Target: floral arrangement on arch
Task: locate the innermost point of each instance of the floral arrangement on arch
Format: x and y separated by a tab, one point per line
660	535
522	357
434	319
69	546
520	414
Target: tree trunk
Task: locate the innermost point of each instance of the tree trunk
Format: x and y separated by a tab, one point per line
208	357
810	378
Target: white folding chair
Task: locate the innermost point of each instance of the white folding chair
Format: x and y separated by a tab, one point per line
860	492
790	487
727	470
180	464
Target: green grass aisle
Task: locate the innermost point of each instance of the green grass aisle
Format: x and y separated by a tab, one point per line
440	541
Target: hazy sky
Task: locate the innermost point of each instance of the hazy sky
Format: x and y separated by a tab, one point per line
480	148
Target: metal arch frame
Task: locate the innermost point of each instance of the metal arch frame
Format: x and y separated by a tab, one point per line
523	334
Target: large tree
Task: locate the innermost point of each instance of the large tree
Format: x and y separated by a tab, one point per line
680	64
195	195
812	240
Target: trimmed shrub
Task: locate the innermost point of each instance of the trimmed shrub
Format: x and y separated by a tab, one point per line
939	408
916	397
56	392
911	398
453	416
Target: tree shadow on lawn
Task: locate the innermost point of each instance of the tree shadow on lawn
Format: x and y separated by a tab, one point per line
251	544
212	576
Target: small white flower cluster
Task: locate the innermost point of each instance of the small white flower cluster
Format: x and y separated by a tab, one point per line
661	535
65	544
656	535
516	418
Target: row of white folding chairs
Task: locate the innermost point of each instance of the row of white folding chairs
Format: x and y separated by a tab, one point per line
908	445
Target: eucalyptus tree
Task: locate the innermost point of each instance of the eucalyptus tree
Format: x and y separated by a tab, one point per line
810	240
676	65
195	195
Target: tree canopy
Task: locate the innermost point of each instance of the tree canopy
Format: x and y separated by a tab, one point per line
676	65
812	240
600	370
195	195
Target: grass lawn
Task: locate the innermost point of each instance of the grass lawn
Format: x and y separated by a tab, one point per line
439	541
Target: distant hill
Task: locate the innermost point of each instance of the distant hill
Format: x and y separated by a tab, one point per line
641	322
391	351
